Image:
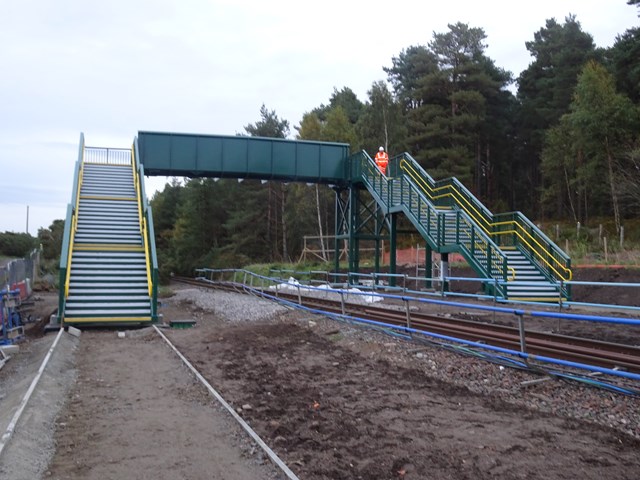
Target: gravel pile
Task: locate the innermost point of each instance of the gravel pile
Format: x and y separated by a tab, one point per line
518	388
232	307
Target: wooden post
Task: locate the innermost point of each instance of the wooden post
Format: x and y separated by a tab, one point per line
621	236
600	234
606	254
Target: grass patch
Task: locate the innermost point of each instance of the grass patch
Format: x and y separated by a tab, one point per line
165	292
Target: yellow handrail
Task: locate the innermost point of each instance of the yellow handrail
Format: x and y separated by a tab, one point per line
542	258
404	165
142	220
146	256
495	263
419	180
137	187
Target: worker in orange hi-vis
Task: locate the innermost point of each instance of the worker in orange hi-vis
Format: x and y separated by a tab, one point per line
382	160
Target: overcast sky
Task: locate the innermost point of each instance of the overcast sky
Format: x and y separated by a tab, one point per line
112	68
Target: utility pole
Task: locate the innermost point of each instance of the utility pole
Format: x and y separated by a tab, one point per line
27	219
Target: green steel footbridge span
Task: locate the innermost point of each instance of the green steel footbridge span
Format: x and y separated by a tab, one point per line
108	265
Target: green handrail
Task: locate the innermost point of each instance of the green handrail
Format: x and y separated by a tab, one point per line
505	229
405	193
68	236
148	233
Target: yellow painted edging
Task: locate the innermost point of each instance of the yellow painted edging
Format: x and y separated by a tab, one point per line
98	247
106	319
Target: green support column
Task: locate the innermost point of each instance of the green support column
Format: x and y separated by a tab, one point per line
341	228
392	248
428	265
354	244
376	267
336	253
444	271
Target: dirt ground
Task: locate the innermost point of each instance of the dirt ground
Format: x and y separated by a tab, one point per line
335	406
332	400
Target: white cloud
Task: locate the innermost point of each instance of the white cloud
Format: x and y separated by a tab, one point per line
109	69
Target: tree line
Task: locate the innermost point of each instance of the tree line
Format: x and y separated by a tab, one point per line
559	141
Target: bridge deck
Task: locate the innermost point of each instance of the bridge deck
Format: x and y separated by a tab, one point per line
193	155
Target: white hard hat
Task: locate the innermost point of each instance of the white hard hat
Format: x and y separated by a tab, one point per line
381	149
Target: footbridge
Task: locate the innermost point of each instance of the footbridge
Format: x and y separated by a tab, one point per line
108	266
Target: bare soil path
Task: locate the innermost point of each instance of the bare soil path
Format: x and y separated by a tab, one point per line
137	413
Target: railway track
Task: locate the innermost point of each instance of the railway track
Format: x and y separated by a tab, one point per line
531	343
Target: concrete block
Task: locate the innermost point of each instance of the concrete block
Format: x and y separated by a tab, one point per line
74	331
9	349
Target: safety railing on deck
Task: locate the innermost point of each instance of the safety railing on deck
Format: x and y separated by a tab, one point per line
70	227
147	231
109	156
509	229
402	192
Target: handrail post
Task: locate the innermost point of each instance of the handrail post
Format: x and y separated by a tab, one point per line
523	341
495	297
408	311
560	295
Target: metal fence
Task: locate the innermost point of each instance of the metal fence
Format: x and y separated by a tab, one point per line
21	271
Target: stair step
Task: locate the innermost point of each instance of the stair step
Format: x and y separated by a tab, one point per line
111	290
100	254
109	275
105	263
103	284
104	298
75	305
108	233
107	239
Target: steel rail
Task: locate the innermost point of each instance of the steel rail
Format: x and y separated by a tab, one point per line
272	455
535	343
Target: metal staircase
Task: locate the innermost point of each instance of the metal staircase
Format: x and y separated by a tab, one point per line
524	263
108	275
445	229
529	283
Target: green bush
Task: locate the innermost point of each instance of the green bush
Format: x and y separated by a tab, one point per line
16	244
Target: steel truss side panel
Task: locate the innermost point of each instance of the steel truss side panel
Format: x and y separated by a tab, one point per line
191	155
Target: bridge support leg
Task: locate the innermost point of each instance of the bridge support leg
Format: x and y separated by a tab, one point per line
392	248
342	228
376	264
428	265
354	241
444	271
